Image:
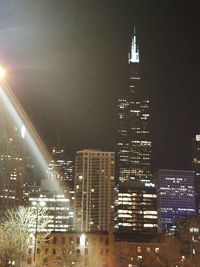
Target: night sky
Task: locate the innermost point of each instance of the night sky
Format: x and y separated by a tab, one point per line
67	64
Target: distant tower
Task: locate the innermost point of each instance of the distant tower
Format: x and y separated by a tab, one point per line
94	186
175	195
196	168
134	155
134	135
60	168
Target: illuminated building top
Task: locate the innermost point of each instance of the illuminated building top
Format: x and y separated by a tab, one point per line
134	54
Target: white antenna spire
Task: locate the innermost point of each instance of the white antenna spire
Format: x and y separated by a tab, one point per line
134	54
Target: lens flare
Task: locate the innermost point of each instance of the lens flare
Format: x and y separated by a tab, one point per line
28	132
2	73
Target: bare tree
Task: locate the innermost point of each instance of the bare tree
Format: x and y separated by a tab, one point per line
16	225
66	257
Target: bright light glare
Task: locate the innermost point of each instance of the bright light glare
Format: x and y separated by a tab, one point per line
23	123
40	203
2	72
23	131
82	240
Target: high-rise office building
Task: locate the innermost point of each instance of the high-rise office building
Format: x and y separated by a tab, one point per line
196	168
134	135
57	208
175	195
60	168
94	189
134	144
13	161
136	210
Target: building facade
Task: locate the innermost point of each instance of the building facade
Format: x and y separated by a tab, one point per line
13	162
175	195
56	208
134	134
136	211
196	168
94	189
93	249
134	144
72	249
60	168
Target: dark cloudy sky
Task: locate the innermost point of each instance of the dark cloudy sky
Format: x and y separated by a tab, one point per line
67	64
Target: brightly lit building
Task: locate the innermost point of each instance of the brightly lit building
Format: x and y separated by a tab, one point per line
12	164
94	188
175	196
196	168
57	209
17	168
134	135
60	168
136	211
134	144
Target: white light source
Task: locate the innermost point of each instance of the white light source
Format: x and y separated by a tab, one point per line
82	240
2	72
23	131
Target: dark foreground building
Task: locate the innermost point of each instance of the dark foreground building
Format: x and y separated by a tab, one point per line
196	168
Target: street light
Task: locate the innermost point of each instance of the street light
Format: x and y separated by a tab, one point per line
37	204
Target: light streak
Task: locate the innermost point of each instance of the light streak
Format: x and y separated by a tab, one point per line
28	132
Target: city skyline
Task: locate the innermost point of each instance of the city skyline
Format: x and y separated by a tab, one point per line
68	72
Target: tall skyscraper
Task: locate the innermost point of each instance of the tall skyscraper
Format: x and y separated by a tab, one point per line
13	161
196	168
134	147
175	195
134	135
94	189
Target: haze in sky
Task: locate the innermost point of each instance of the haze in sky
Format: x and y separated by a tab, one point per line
68	64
